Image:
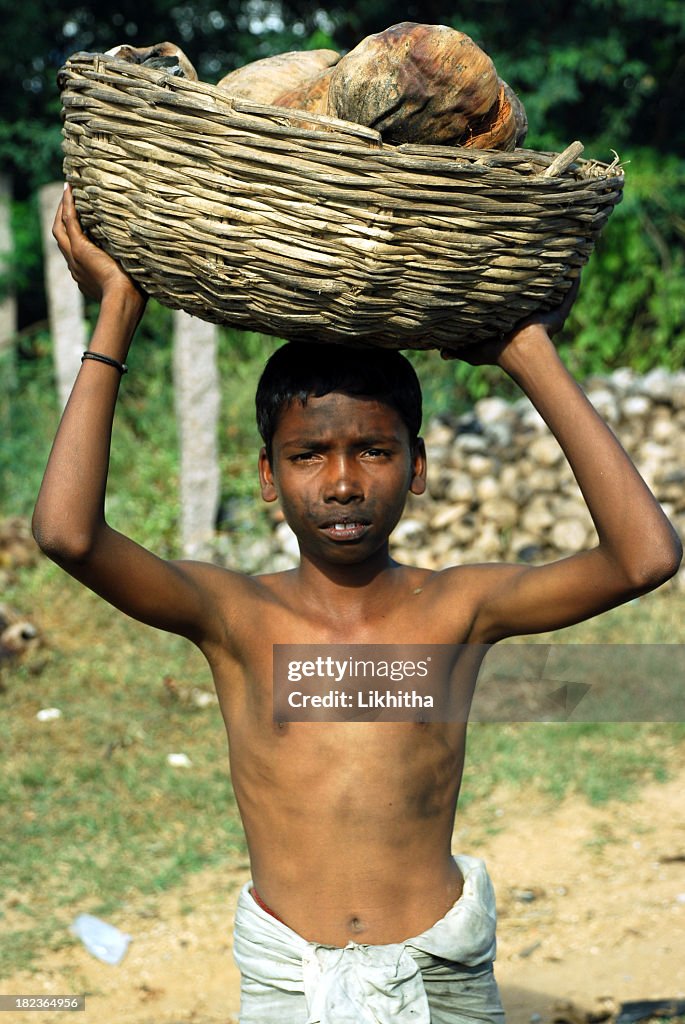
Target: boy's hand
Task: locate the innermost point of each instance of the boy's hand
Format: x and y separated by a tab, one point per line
95	273
494	352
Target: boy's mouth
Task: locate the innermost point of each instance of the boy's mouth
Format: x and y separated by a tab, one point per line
345	529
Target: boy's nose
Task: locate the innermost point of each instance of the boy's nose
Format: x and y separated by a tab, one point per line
343	482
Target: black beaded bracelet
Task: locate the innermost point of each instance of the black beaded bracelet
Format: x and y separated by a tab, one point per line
121	367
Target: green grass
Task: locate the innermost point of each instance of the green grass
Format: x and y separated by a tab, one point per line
604	761
90	812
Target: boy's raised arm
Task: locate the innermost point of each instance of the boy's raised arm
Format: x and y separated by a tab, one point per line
638	548
68	522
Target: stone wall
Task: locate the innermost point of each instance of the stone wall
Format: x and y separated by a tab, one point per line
500	488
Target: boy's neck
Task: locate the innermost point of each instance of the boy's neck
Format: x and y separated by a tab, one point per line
350	591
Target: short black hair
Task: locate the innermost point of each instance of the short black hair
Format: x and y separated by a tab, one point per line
299	370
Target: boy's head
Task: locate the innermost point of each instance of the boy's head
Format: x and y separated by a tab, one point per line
300	370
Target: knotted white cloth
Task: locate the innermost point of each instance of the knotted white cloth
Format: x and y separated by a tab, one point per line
363	984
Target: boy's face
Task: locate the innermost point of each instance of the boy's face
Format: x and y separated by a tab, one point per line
342	467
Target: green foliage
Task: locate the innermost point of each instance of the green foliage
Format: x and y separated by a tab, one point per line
143	469
21	269
31	151
28	419
631	310
26	266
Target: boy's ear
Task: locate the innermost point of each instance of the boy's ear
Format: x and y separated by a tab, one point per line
419	466
266	477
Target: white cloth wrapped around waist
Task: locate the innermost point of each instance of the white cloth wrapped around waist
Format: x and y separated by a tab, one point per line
364	984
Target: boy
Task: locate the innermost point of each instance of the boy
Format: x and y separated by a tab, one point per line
357	911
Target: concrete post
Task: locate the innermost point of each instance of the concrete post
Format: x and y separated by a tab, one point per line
65	302
8	303
197	398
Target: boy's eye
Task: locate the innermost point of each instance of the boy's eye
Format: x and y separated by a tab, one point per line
376	452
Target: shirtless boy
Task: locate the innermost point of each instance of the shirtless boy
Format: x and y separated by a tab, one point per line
358	910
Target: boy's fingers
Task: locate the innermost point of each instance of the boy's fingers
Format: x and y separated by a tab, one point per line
66	231
69	214
59	233
71	223
57	223
68	199
64	217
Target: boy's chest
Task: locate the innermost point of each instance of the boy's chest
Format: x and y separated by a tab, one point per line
414	620
415	629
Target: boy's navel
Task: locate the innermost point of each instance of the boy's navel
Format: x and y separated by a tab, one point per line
356	925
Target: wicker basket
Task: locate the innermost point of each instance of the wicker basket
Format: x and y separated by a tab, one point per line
302	226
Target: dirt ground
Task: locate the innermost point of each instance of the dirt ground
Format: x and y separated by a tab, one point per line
591	907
